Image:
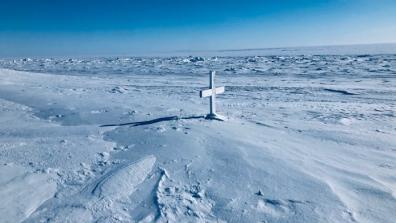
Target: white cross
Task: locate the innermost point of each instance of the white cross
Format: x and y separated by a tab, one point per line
211	92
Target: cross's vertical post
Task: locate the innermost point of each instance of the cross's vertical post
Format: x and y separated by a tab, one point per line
213	97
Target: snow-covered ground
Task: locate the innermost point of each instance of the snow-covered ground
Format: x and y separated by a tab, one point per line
308	139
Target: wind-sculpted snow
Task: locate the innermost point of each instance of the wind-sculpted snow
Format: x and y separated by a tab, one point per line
311	66
122	182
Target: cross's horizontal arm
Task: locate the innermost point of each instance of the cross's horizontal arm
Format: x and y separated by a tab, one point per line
210	92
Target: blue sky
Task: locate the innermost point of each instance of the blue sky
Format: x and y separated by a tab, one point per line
67	28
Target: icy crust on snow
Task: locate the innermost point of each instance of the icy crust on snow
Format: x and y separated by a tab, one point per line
313	66
22	192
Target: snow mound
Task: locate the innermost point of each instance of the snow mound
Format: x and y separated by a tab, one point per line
122	182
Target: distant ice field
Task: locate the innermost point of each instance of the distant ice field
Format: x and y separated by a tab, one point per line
312	62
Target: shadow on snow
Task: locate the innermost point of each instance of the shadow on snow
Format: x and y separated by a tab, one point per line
153	121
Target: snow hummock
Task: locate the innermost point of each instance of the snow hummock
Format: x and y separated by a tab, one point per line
122	182
308	139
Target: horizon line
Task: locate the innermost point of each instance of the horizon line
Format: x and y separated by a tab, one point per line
169	52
